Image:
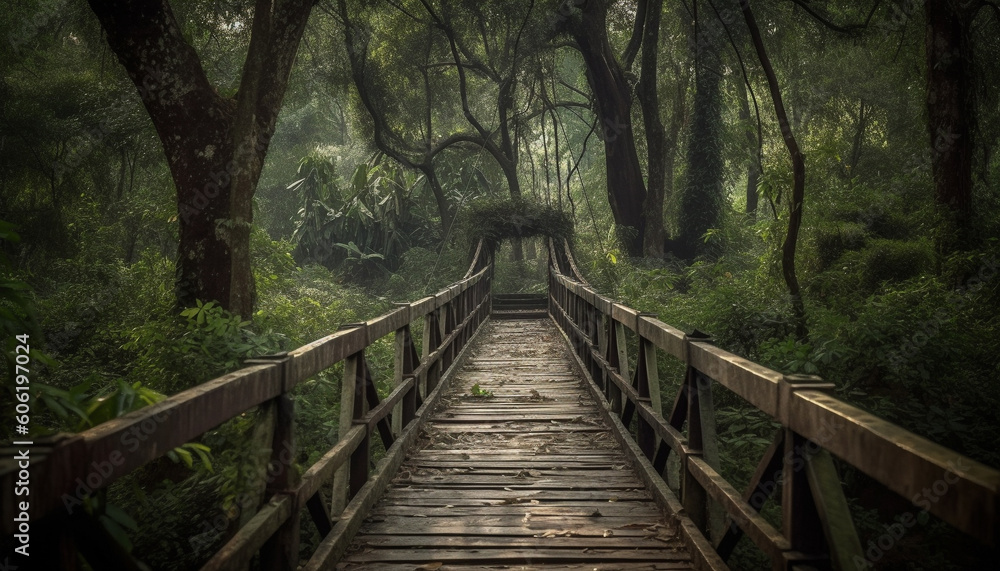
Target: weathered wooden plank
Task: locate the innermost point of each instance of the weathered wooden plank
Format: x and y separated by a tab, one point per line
513	466
460	530
626	316
756	384
488	482
577	509
312	358
549	498
665	337
516	474
422	307
507	542
515	454
395	524
838	527
562	416
673	437
387	323
520	472
509	556
590	566
385	407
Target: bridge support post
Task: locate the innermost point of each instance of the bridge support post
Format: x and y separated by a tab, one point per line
701	442
648	387
432	337
281	551
617	357
815	516
359	458
350	391
406	362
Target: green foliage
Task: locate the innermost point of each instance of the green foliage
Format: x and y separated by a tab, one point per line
477	392
367	224
893	260
202	343
498	219
832	243
17	312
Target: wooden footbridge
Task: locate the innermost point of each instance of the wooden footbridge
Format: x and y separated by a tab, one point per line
532	439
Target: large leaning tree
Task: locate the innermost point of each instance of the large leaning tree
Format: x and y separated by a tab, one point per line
586	23
215	145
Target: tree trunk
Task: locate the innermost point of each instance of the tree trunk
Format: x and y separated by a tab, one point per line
949	110
701	199
626	191
655	235
798	177
215	146
753	150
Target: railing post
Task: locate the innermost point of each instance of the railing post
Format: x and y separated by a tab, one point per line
406	362
281	551
815	517
398	356
448	325
701	442
648	386
617	357
432	341
351	390
361	455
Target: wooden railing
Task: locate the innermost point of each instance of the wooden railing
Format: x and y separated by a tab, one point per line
96	458
816	526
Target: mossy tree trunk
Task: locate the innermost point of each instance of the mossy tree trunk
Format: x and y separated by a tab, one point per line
701	197
626	190
215	146
950	111
656	144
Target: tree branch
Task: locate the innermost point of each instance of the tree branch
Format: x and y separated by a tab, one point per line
635	41
845	29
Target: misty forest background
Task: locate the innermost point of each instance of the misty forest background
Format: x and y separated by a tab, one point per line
187	185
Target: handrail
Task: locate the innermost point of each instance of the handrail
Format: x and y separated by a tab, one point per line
576	274
475	259
66	468
816	523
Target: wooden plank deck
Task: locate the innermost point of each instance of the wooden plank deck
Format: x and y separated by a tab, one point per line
530	477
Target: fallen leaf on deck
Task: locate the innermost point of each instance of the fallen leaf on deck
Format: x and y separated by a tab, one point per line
429	566
557	533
